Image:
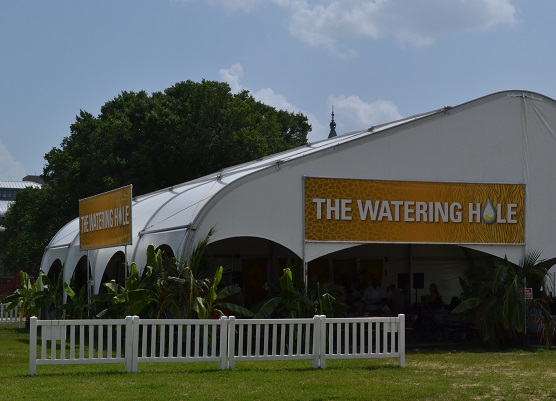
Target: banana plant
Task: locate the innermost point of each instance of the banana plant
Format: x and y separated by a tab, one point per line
129	300
498	303
53	295
78	307
288	302
30	298
212	305
293	300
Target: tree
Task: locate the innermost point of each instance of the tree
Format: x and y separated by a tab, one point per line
151	141
190	130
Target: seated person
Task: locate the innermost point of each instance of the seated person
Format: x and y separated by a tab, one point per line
371	297
434	300
396	299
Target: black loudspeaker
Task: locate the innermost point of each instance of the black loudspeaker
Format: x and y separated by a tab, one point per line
418	281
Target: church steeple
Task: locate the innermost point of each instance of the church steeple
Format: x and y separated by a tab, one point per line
332	133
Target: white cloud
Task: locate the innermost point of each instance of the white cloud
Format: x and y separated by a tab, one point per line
10	169
327	23
357	114
352	113
232	76
242	5
330	24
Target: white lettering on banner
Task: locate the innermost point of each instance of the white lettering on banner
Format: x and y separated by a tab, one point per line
410	211
116	217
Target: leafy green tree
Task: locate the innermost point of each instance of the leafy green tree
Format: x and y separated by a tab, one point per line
189	130
498	302
151	141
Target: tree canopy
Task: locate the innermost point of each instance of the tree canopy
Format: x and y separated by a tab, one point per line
150	141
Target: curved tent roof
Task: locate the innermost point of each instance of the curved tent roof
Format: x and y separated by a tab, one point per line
504	138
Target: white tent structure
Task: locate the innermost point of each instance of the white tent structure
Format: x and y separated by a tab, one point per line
258	209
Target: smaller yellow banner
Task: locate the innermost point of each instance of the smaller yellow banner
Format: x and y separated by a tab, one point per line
105	219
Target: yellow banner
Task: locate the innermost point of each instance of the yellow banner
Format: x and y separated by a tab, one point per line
413	212
105	219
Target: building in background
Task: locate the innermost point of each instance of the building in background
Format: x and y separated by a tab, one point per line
8	192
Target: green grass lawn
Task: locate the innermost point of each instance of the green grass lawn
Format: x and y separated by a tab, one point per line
429	375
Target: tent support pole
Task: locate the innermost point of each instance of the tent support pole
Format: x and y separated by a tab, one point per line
125	264
89	292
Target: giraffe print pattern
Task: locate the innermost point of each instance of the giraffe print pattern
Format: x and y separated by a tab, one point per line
357	210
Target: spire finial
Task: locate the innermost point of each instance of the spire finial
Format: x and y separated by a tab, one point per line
332	133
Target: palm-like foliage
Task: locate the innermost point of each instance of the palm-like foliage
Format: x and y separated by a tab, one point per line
53	293
292	299
170	289
78	306
132	299
30	298
498	302
288	300
185	283
213	304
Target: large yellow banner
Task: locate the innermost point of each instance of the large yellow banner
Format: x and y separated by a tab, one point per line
105	219
413	212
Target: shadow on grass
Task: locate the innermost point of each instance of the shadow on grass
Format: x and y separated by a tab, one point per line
469	348
176	369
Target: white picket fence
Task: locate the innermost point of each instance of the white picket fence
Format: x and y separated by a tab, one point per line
10	317
225	341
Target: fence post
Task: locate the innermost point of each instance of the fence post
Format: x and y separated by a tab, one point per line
128	344
223	342
401	341
231	341
316	341
131	344
322	348
20	316
33	346
135	323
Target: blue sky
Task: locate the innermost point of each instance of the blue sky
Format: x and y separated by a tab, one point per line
375	61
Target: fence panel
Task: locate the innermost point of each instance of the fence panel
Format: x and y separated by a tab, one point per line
78	342
163	340
366	337
273	339
10	317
